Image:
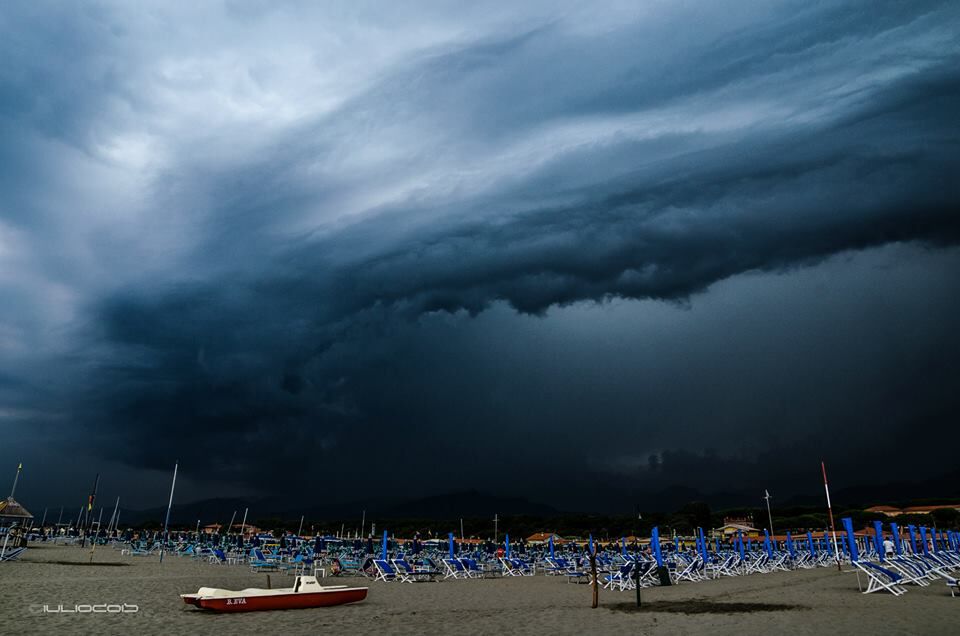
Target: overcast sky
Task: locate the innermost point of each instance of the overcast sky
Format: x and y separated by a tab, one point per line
549	249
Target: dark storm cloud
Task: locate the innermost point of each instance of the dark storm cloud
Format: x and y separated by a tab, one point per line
216	239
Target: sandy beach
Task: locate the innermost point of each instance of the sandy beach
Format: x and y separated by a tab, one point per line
801	602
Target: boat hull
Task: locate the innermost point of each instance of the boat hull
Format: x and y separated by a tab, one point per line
254	603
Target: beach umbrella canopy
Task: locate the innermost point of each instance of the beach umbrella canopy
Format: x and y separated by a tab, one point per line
851	538
11	511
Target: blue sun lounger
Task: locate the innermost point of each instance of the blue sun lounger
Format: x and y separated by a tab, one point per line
411	574
880	578
13	555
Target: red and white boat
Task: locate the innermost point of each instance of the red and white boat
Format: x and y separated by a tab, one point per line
306	592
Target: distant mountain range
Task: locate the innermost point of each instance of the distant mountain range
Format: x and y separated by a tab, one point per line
468	504
472	504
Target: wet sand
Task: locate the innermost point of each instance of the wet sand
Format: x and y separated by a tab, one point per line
804	602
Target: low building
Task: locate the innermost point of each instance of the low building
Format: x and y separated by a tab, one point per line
888	511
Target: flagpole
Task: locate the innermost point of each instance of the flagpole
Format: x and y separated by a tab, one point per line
300	529
833	527
166	521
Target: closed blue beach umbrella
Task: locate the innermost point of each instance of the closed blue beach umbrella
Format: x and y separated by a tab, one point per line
506	542
790	549
923	540
743	552
655	545
813	550
913	537
450	543
551	546
878	538
895	529
766	543
383	547
851	538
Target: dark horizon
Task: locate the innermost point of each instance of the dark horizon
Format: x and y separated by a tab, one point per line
589	256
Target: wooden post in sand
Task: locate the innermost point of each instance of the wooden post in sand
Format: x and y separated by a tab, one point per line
593	578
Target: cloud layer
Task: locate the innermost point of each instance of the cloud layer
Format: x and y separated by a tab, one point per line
323	230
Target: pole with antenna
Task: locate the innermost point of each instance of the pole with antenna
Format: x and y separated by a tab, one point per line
166	521
766	495
16	478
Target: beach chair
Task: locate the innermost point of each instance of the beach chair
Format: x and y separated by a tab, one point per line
472	568
880	578
912	572
12	554
692	569
954	585
454	569
297	565
385	572
524	568
258	563
217	557
412	573
621	579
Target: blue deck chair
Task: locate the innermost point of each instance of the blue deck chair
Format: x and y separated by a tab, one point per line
880	578
13	554
402	566
454	569
385	571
